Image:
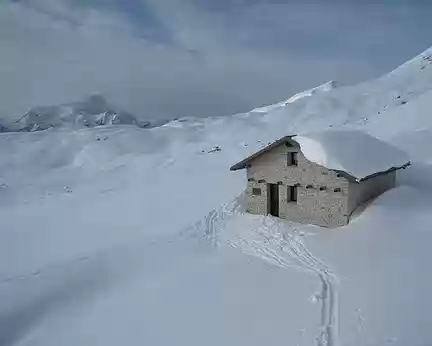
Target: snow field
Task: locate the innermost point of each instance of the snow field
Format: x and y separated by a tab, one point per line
119	235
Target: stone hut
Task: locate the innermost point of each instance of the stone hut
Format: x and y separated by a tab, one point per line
320	178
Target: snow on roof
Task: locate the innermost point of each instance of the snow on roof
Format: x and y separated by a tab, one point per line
354	152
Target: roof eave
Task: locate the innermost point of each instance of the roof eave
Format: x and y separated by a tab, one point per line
391	169
237	167
345	175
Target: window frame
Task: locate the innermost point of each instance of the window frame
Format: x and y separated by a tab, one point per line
292	194
295	158
256	191
292	158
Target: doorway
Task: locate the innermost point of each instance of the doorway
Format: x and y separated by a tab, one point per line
273	199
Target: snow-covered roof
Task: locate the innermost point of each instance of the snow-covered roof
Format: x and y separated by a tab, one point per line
355	153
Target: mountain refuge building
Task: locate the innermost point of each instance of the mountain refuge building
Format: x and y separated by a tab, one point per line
320	178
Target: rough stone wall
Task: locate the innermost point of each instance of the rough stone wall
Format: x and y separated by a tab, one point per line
257	204
368	189
325	207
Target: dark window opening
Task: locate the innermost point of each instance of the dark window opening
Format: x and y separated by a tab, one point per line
292	159
322	188
292	194
337	189
256	191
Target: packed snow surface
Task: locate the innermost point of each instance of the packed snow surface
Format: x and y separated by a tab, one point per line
352	151
118	235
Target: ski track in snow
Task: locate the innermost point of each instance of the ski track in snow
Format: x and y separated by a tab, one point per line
288	251
282	248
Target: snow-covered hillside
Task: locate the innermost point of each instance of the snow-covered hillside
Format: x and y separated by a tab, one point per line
319	89
123	235
90	112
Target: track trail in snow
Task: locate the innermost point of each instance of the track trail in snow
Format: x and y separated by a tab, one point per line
274	242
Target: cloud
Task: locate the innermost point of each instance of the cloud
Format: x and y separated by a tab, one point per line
193	58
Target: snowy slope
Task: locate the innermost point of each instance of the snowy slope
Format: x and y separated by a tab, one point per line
319	89
121	235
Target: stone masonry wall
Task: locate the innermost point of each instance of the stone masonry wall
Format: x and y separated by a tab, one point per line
368	189
257	204
324	207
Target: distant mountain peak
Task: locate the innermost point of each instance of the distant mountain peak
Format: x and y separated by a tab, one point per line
92	111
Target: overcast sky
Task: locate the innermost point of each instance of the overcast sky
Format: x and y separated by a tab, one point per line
169	58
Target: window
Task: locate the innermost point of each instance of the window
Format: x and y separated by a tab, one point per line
338	189
323	188
292	159
295	159
256	191
292	194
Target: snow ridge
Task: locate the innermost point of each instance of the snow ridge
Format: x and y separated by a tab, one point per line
307	93
319	89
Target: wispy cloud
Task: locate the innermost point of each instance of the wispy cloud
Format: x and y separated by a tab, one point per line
177	58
